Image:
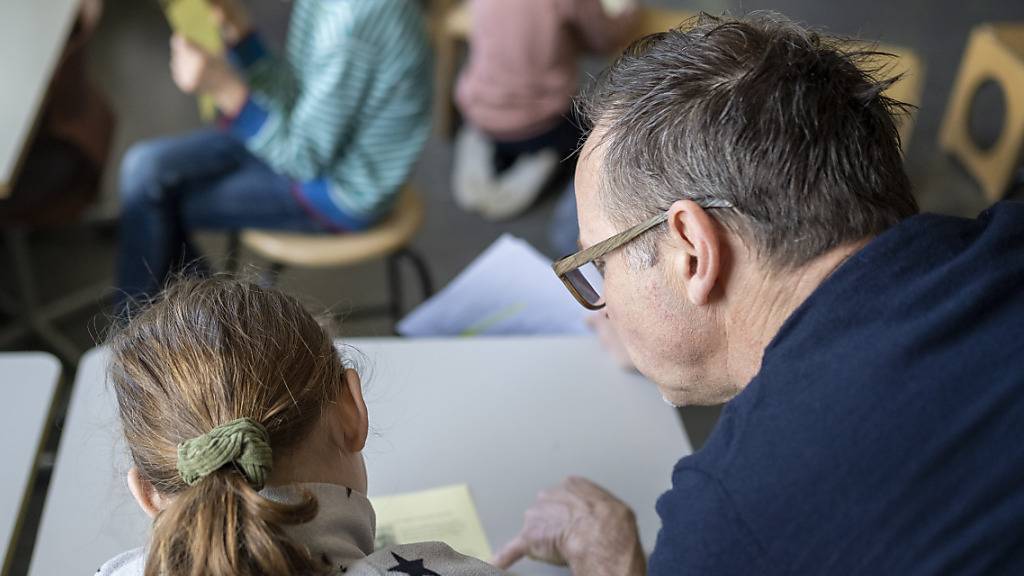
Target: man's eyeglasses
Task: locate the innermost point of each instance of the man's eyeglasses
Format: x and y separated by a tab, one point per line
583	278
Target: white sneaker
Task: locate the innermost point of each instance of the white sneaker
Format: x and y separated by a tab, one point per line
520	185
472	168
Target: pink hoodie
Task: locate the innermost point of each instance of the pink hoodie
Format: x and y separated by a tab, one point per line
522	70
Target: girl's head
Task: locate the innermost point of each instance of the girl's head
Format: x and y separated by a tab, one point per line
208	353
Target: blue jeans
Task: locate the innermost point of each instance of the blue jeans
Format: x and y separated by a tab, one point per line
206	180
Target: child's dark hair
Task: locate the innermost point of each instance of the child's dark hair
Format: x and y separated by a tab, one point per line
206	353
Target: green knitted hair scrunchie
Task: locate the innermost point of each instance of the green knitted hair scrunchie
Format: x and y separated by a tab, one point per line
243	442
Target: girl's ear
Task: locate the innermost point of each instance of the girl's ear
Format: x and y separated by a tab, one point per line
349	424
146	496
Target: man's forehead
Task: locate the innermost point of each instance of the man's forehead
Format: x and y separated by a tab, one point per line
592	222
593	144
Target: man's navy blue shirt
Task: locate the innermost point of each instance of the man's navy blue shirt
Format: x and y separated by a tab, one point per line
884	433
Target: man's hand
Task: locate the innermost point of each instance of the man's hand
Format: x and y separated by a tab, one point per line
581	525
195	70
233	19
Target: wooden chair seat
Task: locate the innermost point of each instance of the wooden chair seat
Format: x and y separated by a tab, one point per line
323	251
388	241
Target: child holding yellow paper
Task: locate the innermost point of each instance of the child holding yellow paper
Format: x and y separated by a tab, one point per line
245	432
317	141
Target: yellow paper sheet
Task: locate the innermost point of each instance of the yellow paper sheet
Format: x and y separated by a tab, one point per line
192	19
442	514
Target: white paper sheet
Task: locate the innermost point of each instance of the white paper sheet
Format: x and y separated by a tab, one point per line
509	289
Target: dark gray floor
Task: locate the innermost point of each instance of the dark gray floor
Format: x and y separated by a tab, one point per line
129	60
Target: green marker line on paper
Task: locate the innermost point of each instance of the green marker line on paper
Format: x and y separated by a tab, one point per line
494	319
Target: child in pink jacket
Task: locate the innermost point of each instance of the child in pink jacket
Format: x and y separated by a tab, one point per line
516	94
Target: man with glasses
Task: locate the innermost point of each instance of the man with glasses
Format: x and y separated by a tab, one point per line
743	195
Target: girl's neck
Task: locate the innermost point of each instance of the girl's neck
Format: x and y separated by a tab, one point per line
318	461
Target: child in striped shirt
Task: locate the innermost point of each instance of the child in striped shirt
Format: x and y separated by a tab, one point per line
317	141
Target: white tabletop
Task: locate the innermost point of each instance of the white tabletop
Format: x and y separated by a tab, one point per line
28	383
508	417
32	37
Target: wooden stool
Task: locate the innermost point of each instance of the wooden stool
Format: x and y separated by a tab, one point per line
994	52
389	240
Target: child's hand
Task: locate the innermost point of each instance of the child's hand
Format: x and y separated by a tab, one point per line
196	71
193	69
233	19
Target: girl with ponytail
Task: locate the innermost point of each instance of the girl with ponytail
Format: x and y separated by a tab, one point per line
245	429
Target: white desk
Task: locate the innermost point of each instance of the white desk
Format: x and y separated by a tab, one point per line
508	417
28	383
32	38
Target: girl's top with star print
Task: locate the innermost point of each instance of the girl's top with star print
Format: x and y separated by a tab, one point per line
341	537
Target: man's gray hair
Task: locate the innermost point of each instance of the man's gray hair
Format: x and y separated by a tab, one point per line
786	126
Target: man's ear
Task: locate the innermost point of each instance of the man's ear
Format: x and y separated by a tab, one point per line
147	497
697	245
348	422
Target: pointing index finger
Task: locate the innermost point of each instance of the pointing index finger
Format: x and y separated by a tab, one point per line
511	552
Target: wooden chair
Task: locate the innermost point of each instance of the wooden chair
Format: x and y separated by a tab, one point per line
995	52
388	240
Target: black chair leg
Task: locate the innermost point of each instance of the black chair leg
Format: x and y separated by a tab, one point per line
422	272
394	288
394	262
234	248
34	318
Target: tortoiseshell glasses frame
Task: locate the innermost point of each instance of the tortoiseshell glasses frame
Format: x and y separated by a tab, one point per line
568	269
